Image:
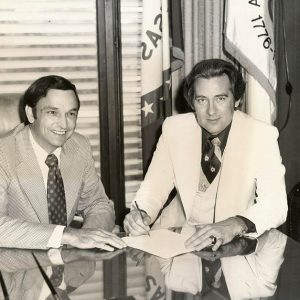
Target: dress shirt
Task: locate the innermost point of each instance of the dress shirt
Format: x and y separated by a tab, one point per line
41	155
223	136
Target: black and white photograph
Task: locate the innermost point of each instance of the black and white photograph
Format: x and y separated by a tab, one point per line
149	150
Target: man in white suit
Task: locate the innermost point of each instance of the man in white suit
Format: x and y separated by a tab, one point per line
51	104
225	166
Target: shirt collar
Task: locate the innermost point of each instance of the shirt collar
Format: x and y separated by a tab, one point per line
223	136
40	153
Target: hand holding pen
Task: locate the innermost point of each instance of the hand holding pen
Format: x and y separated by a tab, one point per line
142	217
137	222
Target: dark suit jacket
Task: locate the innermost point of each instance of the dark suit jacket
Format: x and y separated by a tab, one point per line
23	197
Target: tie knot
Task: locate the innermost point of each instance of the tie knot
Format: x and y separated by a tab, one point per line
216	142
51	161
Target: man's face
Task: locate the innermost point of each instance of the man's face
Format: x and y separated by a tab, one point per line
56	116
214	103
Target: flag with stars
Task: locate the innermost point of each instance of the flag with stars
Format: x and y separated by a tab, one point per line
156	74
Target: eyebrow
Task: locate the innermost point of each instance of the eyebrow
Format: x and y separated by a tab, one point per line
224	94
50	107
55	108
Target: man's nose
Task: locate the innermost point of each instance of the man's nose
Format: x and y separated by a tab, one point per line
211	108
63	122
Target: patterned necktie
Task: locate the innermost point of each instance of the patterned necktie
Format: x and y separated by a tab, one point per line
56	207
211	160
55	193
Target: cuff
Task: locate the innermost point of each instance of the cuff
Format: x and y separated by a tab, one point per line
55	256
249	245
56	237
250	225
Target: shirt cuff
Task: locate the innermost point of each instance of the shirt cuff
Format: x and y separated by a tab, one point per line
250	225
56	237
55	257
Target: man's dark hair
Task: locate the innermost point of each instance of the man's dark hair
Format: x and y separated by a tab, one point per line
39	89
213	68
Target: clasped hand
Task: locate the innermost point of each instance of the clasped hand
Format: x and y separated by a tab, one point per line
214	235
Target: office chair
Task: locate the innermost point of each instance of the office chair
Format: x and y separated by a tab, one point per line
10	112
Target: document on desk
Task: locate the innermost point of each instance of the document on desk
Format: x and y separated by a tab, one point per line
162	242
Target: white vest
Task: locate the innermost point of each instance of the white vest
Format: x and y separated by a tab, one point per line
204	201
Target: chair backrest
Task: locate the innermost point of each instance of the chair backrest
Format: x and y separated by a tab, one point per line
293	218
10	112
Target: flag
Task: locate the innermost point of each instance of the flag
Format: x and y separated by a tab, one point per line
156	74
176	35
156	98
249	38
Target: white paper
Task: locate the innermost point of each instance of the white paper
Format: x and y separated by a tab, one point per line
162	242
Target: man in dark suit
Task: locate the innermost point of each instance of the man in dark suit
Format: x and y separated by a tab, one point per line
47	174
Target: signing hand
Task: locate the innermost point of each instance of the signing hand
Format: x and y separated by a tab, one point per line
135	225
215	234
92	238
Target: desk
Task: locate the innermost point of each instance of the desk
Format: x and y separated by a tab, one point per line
270	271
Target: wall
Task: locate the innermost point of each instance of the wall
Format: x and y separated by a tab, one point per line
289	139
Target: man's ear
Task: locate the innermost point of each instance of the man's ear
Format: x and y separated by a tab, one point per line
29	114
237	103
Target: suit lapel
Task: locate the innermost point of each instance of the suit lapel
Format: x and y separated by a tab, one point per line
189	142
72	165
29	175
31	179
234	170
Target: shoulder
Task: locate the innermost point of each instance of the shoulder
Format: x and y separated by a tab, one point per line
9	146
180	122
79	139
181	129
186	118
9	140
254	125
79	143
180	126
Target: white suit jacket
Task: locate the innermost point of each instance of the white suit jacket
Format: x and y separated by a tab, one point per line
23	198
251	181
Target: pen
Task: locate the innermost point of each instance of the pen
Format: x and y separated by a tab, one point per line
140	214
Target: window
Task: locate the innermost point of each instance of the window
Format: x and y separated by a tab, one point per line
131	30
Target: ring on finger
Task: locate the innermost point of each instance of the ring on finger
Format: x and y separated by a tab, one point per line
213	239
